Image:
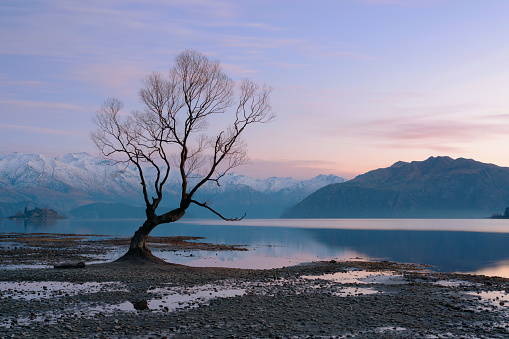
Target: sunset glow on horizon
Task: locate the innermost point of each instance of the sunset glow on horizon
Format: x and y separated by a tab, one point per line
358	84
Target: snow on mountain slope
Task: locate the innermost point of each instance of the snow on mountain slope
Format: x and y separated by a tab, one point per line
278	184
99	180
85	172
78	171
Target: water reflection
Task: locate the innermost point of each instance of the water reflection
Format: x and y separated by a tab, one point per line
256	258
361	277
500	269
460	225
29	226
478	245
73	226
447	251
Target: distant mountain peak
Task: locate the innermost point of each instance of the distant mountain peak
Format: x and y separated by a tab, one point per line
399	164
438	187
73	157
440	159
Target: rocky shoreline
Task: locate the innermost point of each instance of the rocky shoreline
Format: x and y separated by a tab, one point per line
322	299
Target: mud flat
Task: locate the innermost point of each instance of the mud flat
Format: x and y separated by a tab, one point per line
322	299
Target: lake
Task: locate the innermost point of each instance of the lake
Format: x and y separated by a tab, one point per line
479	246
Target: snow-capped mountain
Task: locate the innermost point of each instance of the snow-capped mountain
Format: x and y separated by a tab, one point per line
78	179
278	184
75	170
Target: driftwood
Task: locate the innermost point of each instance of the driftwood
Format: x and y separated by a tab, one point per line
70	264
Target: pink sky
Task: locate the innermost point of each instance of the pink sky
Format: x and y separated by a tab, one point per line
358	84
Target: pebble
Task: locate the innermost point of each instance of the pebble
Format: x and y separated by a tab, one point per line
277	303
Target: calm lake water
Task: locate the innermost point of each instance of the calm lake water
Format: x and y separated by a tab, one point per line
478	246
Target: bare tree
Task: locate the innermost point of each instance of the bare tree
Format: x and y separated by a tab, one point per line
170	132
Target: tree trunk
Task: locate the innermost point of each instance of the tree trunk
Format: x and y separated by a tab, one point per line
138	251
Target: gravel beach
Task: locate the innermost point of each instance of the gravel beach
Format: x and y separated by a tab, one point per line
321	299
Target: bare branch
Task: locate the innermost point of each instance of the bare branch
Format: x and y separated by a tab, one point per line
215	212
171	128
253	107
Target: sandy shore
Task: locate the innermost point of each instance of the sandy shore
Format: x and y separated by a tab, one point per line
323	299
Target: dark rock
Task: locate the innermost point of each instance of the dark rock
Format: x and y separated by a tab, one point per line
80	264
140	305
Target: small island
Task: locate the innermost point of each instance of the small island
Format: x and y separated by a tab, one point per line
37	214
501	216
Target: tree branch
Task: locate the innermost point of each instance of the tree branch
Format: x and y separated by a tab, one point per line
216	213
170	129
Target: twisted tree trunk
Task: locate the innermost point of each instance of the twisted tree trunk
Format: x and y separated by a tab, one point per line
138	249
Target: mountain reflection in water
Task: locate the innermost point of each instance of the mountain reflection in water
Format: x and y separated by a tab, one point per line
450	245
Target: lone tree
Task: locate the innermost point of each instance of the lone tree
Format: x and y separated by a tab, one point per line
171	132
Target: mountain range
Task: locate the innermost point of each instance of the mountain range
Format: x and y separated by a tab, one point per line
439	187
84	186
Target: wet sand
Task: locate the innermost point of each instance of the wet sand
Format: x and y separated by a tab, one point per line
321	299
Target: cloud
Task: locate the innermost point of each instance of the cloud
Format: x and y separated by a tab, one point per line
23	83
386	2
259	42
210	9
336	106
233	24
390	97
497	116
288	65
317	50
43	130
236	69
431	132
409	3
42	104
83	30
348	54
122	77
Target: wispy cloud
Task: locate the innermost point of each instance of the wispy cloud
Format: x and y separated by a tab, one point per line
331	51
257	26
42	130
4	81
431	132
348	54
237	69
113	75
41	104
259	42
386	2
288	65
497	116
409	3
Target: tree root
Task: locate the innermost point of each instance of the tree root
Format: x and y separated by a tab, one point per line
141	257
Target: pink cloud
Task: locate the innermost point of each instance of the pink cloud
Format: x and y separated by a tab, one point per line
119	78
431	132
